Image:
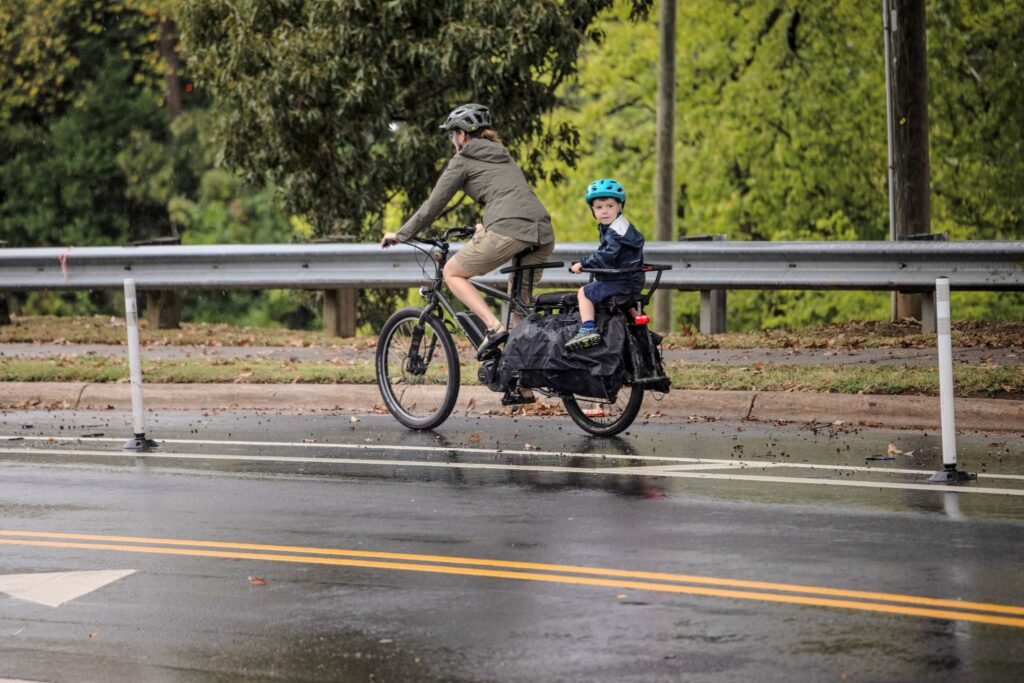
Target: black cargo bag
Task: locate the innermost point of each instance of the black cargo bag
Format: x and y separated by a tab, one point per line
535	354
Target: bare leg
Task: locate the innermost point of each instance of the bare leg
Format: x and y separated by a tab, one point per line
586	307
457	279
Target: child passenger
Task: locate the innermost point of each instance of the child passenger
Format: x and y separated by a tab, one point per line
622	247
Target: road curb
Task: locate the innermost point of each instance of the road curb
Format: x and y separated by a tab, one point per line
901	412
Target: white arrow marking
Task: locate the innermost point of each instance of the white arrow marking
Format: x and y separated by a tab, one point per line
55	588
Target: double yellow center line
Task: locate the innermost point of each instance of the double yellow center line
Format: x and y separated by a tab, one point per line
739	589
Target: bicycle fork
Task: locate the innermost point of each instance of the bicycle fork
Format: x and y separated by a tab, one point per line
415	364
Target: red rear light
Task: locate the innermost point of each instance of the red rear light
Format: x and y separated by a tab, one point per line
642	319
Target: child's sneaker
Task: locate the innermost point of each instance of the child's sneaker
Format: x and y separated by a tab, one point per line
584	339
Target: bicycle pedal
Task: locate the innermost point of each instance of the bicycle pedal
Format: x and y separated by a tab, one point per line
487	354
516	399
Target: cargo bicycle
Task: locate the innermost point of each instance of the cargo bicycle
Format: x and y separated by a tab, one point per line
418	368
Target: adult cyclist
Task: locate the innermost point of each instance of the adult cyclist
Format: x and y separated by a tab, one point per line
513	221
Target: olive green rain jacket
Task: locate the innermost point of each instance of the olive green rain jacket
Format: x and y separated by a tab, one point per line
485	171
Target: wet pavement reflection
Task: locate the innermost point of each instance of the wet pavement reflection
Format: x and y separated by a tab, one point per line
528	491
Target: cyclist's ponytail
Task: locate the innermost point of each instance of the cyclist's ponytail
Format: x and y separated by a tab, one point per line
486	134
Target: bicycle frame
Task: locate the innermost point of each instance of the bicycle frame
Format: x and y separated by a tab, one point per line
436	299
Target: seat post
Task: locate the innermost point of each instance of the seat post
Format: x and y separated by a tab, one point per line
517	281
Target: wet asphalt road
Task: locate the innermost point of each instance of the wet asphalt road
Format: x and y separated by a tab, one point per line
708	505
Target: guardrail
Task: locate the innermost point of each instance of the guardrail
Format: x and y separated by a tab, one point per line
696	266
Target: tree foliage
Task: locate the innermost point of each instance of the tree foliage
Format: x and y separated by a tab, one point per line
338	104
781	133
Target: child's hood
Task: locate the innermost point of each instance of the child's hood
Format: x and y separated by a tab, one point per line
485	150
625	232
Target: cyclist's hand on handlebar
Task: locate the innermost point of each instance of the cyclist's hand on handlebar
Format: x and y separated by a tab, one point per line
479	227
576	267
390	239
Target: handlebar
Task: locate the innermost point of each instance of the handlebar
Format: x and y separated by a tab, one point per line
458	232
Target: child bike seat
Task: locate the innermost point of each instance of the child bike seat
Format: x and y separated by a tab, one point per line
569	301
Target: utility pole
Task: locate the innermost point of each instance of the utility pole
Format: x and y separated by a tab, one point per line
664	182
164	305
910	177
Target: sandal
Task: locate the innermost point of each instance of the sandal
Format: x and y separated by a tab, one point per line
493	337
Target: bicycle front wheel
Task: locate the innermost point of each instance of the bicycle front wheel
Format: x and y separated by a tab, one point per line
602	417
417	369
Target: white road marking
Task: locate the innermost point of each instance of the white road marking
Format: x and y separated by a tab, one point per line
654	471
378	447
711	462
53	589
299	459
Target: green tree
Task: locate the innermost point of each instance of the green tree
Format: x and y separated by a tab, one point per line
977	121
76	79
337	104
94	150
782	136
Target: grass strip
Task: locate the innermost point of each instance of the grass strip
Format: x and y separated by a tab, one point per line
974	381
850	335
970	380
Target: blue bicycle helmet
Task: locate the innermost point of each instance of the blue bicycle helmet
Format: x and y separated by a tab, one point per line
606	187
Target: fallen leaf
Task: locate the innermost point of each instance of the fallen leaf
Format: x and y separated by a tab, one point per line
257	581
353	419
622	596
470	404
531	447
892	450
385	641
474	437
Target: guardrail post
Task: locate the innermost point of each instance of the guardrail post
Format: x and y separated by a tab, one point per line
713	302
138	442
949	473
5	311
712	311
163	307
919	305
928	322
340	312
339	304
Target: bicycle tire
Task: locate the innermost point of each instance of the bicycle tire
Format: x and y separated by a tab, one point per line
617	424
403	390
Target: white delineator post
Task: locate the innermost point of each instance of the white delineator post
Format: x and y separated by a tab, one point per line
138	442
949	473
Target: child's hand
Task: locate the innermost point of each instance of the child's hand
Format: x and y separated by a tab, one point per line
576	267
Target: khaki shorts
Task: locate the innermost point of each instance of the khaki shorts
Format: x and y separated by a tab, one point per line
489	250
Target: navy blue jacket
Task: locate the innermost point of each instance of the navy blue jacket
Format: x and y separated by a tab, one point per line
622	246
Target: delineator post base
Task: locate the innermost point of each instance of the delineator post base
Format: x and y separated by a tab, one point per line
139	443
951	475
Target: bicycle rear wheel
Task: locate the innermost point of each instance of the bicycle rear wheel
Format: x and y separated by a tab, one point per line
417	369
602	417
